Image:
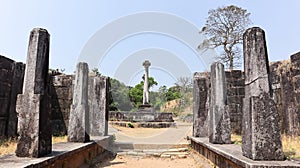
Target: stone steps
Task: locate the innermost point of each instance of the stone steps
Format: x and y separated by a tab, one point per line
156	150
124	146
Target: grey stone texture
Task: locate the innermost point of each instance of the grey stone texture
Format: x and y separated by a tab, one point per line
61	100
98	105
201	91
219	119
261	131
33	105
230	156
16	88
78	130
11	83
235	83
141	116
285	79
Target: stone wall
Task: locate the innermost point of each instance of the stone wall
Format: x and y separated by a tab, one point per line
61	100
140	116
235	81
285	79
235	93
11	83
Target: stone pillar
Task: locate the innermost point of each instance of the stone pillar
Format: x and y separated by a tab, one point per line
98	103
79	113
146	64
219	124
6	73
16	88
33	105
200	104
261	131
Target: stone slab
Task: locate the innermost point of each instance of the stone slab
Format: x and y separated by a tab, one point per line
231	154
33	105
261	131
64	154
219	123
78	130
200	104
140	117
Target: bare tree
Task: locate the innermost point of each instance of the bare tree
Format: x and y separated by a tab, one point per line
184	83
224	28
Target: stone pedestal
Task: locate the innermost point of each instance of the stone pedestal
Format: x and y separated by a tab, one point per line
146	108
219	123
78	130
200	104
261	131
33	105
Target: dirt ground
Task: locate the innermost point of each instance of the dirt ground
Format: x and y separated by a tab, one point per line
192	161
140	132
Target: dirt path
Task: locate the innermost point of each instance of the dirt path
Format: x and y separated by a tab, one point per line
155	162
173	135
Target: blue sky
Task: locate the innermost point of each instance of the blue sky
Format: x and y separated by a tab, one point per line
73	23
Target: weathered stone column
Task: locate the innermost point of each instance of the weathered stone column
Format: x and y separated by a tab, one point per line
16	88
219	119
78	130
33	106
261	131
200	104
98	103
146	64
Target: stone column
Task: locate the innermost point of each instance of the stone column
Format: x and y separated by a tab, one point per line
78	130
261	131
200	104
98	103
16	88
219	119
33	105
146	64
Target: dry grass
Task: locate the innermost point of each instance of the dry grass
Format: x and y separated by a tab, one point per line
236	139
57	139
9	146
291	146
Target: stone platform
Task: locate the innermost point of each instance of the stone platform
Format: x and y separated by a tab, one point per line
140	116
65	154
230	155
144	124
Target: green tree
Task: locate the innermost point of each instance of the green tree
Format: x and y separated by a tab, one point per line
224	29
119	96
173	93
136	93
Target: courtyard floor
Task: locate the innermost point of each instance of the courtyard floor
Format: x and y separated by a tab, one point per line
173	135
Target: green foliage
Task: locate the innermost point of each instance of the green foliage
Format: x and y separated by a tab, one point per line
130	125
119	96
224	29
123	98
136	93
173	93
